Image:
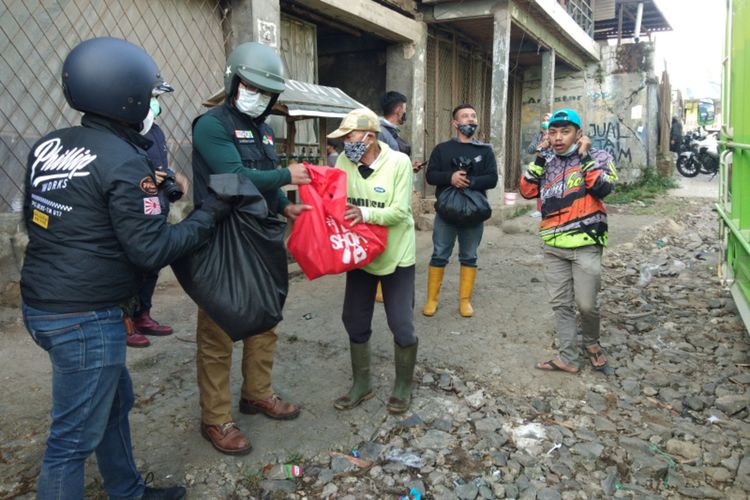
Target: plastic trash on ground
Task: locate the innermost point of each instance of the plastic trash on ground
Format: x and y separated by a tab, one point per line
648	271
408	459
282	471
414	494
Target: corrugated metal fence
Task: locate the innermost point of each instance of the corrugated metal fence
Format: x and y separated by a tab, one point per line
185	37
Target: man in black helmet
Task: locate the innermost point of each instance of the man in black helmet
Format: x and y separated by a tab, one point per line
234	138
95	225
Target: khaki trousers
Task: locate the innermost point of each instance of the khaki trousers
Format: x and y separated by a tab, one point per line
573	280
214	361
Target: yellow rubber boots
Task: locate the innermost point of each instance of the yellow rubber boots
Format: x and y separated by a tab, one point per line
434	280
465	288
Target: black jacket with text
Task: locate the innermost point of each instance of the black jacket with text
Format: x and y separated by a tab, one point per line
94	219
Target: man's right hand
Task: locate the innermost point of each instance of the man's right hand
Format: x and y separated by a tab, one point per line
299	174
459	179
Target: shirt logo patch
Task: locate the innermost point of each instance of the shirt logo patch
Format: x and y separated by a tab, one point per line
148	185
268	140
478	159
40	219
243	134
379	189
151	206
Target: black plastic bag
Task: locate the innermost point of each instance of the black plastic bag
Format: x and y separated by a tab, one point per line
462	207
239	277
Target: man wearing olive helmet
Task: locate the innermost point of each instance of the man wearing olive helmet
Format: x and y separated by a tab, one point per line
234	138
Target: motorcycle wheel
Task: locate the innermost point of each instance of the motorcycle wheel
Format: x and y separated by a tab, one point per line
688	167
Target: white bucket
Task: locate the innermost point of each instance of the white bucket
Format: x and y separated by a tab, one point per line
510	198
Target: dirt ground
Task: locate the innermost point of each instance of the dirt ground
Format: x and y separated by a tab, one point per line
511	330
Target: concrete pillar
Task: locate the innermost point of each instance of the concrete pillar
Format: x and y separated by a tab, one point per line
651	120
253	21
405	72
548	81
499	99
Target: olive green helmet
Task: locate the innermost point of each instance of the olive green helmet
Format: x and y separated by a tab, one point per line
255	64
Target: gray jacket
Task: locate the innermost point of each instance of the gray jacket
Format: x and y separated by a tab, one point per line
388	133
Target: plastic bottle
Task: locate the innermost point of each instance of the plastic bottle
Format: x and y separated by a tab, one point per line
282	471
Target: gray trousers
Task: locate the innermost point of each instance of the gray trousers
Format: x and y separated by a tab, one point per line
573	280
398	299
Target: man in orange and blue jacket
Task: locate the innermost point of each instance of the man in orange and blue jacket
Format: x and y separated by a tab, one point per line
571	186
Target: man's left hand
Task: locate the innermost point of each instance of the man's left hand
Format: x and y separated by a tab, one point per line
584	146
294	210
353	213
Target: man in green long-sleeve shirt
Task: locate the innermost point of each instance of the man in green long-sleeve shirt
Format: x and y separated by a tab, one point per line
234	138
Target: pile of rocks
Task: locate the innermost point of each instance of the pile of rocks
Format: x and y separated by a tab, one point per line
669	421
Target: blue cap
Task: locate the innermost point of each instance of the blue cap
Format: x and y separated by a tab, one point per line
565	115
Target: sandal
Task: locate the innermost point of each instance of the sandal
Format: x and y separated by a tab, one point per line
596	357
553	365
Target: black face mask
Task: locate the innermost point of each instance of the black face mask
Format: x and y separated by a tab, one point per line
467	129
403	119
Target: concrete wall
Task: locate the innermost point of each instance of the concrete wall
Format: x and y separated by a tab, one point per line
617	102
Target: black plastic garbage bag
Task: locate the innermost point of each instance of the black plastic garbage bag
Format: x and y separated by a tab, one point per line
240	276
465	207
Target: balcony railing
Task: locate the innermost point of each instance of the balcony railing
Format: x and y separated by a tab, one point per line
582	14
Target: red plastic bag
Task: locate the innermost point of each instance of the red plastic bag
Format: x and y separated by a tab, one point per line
322	242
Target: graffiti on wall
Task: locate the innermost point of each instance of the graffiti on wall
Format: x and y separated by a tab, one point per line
594	96
608	136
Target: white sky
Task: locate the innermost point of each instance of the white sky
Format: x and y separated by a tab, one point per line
693	50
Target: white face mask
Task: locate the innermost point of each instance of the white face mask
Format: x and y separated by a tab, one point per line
251	103
147	122
572	149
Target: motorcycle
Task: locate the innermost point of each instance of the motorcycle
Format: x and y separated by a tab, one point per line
699	154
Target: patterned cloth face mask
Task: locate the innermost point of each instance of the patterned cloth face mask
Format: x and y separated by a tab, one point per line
355	150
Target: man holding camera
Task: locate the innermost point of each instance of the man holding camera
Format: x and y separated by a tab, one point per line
464	163
171	186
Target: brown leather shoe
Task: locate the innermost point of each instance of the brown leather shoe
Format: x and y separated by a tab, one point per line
273	407
227	438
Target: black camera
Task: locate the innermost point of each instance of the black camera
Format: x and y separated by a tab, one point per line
463	163
170	187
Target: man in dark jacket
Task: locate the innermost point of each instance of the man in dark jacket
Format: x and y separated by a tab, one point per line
464	163
158	155
95	223
234	138
675	135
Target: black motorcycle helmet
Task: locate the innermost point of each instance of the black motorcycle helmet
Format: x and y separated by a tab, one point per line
110	77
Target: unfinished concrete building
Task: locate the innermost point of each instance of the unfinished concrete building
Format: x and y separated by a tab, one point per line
512	59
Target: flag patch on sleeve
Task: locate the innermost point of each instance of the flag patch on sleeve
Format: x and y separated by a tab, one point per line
151	206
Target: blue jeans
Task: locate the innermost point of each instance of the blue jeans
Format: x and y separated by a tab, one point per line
91	397
444	237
